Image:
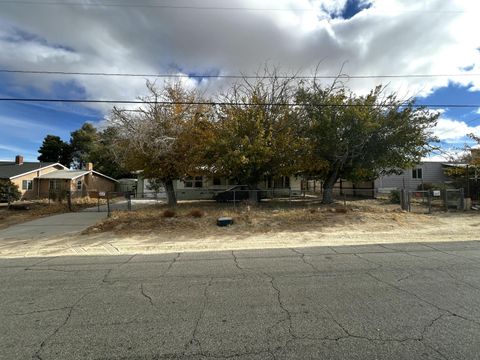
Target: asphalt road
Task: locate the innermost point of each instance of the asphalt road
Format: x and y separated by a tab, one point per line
397	301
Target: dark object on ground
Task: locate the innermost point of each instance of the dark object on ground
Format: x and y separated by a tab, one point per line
196	213
19	207
169	213
224	221
237	193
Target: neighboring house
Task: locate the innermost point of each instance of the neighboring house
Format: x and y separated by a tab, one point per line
38	180
205	187
412	179
25	174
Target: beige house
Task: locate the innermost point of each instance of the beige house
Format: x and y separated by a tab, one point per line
37	180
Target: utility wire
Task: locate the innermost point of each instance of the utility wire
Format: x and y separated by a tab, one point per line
210	76
189	7
213	103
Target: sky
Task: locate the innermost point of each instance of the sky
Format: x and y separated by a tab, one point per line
357	37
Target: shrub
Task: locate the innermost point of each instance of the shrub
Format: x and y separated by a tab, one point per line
9	191
196	213
432	186
394	197
169	214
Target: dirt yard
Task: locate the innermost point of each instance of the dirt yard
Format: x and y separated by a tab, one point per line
360	222
192	227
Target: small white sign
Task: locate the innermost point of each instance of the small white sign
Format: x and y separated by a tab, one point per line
436	193
101	193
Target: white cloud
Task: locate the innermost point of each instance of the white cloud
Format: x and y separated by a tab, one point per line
391	37
453	131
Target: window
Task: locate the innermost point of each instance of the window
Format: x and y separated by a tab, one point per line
281	182
53	185
417	173
27	185
79	184
217	181
191	181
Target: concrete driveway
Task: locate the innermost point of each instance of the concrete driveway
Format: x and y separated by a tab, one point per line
52	226
402	301
69	223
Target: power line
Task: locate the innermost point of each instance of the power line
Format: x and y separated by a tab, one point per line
191	7
210	76
153	5
213	103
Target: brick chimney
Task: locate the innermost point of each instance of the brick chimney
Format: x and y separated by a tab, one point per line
19	160
89	166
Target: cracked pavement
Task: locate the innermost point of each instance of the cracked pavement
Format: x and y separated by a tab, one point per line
389	301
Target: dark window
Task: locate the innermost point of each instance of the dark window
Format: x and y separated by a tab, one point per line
191	181
188	182
198	181
27	185
417	173
79	185
217	181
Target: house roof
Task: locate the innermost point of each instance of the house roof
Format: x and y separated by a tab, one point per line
64	174
8	169
71	175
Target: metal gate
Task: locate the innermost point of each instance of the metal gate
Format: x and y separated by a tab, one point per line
428	201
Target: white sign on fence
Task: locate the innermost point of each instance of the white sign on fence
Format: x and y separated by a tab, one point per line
101	193
436	193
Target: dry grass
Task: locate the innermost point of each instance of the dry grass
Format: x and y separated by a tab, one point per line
198	221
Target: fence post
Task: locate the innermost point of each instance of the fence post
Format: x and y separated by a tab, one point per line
69	200
98	201
108	204
429	202
234	198
129	202
445	199
290	196
462	199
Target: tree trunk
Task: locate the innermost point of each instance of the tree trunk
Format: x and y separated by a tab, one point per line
327	197
253	194
171	197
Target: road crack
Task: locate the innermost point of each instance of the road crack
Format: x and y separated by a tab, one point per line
194	340
302	256
58	328
142	291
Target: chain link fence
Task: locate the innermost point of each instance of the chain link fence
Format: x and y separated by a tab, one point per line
429	201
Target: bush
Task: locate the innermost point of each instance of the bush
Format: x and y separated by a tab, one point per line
169	214
9	191
432	186
196	213
394	196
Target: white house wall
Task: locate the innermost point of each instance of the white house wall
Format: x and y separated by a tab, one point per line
432	172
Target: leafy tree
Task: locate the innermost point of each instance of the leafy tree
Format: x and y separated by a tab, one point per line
103	155
255	132
9	191
164	137
54	149
84	142
360	137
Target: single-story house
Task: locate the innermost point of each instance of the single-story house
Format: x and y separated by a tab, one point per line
205	187
38	179
412	179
